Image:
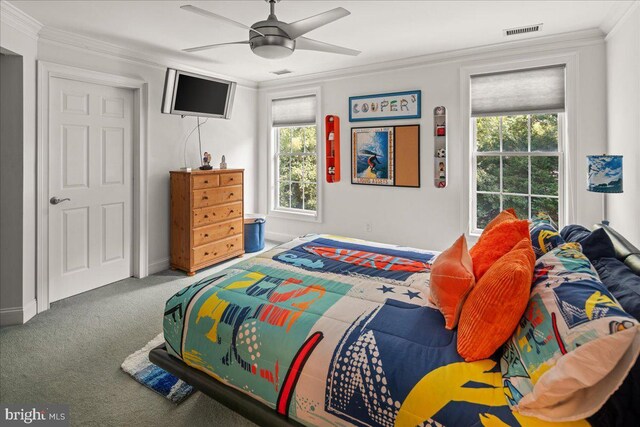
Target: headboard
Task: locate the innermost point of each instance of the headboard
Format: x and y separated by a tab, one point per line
625	251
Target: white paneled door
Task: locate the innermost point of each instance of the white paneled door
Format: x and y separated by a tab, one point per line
90	208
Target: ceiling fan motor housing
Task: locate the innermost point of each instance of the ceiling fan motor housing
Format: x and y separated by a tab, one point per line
275	44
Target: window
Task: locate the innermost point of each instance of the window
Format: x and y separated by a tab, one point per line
297	166
517	162
295	149
518	123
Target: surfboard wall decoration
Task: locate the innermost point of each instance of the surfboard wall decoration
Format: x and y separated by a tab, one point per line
440	146
332	148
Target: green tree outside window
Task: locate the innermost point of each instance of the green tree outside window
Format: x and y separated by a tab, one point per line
517	165
297	163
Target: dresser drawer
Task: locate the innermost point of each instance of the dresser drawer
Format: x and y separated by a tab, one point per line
234	178
205	181
216	196
215	250
206	216
211	233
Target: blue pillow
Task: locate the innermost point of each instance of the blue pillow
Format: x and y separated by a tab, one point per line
574	233
595	244
621	282
544	235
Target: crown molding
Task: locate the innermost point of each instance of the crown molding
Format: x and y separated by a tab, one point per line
618	17
558	41
68	39
14	17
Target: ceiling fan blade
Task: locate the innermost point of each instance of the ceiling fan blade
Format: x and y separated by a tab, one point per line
303	26
310	44
211	46
206	13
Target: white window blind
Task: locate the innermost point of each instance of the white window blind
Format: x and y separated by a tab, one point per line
298	111
535	90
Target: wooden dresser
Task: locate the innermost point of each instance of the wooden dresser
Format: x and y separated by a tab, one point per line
207	222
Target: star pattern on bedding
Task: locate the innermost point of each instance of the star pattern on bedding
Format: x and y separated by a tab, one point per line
412	295
386	289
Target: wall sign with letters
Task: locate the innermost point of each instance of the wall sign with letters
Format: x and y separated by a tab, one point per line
385	106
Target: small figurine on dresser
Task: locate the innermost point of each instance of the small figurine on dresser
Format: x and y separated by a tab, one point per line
206	160
223	163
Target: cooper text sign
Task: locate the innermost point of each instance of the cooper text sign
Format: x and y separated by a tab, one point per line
385	106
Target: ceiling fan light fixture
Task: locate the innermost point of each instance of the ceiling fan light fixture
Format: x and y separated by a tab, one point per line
275	39
272	47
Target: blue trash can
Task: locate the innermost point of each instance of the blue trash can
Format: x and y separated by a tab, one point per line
253	232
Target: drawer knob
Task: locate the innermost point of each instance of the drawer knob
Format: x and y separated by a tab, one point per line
232	228
206	235
230	179
206	253
229	245
206	181
206	216
231	211
205	197
230	194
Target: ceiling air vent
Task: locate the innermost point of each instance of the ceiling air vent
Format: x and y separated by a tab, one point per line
522	30
281	72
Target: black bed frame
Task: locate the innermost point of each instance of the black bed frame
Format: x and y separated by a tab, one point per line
263	415
233	399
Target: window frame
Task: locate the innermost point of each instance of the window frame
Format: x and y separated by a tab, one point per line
572	172
272	155
276	158
560	154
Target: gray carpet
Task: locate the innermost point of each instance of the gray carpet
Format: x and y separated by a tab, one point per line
72	353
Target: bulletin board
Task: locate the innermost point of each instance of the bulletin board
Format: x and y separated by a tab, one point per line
407	156
386	156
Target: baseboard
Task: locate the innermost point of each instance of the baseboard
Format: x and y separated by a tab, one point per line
158	266
29	310
18	315
278	237
11	316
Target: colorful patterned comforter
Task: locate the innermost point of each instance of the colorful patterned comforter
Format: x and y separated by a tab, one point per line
335	331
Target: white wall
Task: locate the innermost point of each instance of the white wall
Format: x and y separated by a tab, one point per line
18	38
11	151
235	138
428	217
623	104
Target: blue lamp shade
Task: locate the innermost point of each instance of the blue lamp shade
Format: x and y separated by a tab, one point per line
604	174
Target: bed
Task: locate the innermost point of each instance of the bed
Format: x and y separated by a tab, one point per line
327	330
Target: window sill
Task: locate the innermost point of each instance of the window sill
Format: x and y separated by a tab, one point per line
472	237
296	216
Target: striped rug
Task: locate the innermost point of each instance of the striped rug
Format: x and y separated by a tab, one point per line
151	376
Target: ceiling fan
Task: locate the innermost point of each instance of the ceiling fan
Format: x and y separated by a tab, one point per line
274	39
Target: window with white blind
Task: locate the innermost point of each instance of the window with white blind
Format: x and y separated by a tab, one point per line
518	127
295	155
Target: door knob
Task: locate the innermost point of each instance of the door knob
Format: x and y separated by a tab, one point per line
55	200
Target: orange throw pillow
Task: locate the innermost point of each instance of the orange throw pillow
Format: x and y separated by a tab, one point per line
496	304
451	280
505	215
496	242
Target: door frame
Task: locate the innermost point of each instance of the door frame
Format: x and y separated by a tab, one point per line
140	257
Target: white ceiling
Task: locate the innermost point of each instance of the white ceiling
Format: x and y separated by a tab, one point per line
382	30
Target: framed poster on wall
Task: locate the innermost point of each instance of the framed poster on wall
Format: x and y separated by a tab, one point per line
372	156
385	106
386	156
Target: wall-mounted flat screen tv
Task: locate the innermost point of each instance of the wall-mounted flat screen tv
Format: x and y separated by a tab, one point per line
189	94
